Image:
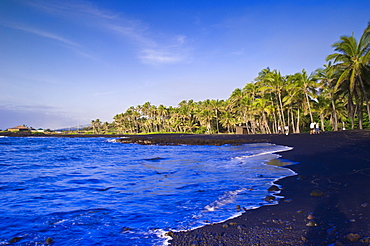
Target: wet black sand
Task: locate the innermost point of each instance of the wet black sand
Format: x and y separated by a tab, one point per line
327	203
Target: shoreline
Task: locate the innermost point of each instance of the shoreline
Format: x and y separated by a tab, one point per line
327	203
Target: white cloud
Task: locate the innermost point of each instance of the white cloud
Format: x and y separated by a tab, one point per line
151	49
66	7
153	56
42	34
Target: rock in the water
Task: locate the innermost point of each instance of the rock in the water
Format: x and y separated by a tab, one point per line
269	198
316	192
169	234
273	188
15	239
49	241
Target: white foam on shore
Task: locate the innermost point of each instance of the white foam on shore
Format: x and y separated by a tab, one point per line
230	196
285	148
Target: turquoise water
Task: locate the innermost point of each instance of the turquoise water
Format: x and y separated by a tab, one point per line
95	191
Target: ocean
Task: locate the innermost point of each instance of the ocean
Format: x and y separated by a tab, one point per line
96	191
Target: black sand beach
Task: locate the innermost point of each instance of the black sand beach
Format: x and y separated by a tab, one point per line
327	203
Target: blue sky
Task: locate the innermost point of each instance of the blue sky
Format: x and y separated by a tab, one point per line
67	62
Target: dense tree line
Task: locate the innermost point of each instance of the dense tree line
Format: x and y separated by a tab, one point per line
335	96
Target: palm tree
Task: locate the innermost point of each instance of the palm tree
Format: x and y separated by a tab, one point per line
352	60
274	83
96	124
308	85
294	101
228	121
264	109
216	106
328	79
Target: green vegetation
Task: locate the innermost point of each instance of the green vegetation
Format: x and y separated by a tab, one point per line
336	96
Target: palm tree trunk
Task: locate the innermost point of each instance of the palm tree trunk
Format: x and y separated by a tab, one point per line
335	117
365	96
281	108
298	118
218	129
309	107
322	122
292	120
350	110
359	112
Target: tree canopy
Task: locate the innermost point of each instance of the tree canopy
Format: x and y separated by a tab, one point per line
335	96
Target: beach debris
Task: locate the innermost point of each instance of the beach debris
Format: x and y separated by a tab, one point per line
311	223
273	188
288	200
364	205
316	192
269	198
49	241
15	239
352	220
353	237
299	211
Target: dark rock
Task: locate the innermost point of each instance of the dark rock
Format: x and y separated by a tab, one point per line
316	192
331	231
49	241
311	223
126	229
365	240
269	198
169	234
353	237
273	188
15	239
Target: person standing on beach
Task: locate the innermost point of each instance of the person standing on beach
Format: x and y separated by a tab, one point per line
286	130
317	128
312	128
